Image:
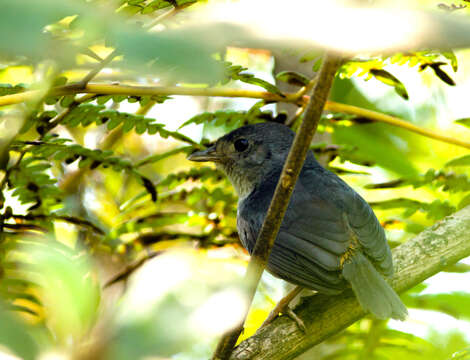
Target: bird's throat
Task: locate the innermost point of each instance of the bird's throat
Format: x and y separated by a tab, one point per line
243	184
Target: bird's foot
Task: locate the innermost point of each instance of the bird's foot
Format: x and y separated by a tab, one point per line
282	307
298	320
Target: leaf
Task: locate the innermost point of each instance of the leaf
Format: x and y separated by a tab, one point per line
461	355
67	289
16	336
260	82
293	78
27	182
388	79
372	144
454	304
449	54
464	202
149	187
441	74
437	209
183	54
438	179
232	119
464	122
460	161
235	72
8	89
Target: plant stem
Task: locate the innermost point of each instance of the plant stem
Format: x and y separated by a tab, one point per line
105	89
391	120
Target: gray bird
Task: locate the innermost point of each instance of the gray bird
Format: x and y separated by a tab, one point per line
329	240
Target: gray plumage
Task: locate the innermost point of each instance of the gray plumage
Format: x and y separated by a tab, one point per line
329	239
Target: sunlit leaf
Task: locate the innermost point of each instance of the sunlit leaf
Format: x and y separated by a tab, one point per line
464	122
460	161
387	78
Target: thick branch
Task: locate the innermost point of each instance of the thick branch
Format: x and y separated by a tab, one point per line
437	247
105	89
282	194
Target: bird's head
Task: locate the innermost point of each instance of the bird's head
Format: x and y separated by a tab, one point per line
250	154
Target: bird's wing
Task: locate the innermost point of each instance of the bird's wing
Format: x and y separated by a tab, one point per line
350	217
325	218
292	258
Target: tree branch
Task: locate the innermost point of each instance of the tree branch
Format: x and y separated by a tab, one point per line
392	120
106	89
436	248
282	194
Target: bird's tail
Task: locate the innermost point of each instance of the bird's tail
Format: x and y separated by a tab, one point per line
372	291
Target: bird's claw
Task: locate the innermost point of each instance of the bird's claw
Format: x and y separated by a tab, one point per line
298	320
287	311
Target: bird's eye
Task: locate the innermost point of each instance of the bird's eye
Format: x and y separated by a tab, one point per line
241	145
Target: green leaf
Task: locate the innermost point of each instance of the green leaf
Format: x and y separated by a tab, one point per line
435	210
449	54
454	304
183	54
235	72
8	89
461	355
67	289
159	4
438	179
372	143
264	84
464	202
66	101
460	161
231	119
464	122
388	79
293	78
16	336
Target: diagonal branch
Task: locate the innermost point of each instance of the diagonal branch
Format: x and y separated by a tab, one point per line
433	250
282	194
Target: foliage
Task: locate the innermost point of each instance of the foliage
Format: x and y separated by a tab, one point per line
94	185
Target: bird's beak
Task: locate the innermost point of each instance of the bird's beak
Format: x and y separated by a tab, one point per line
209	154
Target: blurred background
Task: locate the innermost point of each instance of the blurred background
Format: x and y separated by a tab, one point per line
113	245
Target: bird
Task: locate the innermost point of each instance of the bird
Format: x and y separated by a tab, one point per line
330	239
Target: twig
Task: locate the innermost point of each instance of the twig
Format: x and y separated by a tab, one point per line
105	89
70	219
437	247
24	227
130	269
97	69
392	120
282	194
166	15
157	157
